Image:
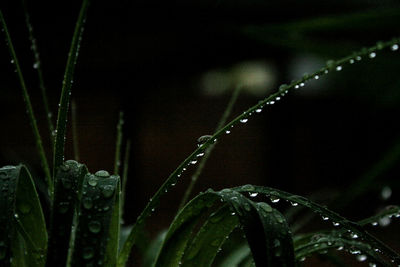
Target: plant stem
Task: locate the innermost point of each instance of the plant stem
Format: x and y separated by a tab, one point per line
125	175
29	109
208	151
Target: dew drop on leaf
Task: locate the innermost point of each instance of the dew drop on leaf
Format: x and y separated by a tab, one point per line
202	139
88	253
94	227
394	47
244	120
87	203
108	191
102	174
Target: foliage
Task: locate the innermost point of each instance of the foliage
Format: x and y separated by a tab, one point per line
85	220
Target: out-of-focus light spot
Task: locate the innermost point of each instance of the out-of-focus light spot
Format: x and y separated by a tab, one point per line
257	78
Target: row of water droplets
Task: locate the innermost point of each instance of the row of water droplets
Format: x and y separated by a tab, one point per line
382	219
331	65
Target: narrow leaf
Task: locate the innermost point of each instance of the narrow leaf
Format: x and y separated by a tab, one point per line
98	211
21	218
68	184
66	89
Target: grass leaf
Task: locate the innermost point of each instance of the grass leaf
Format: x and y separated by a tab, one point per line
66	89
23	224
28	104
96	222
68	184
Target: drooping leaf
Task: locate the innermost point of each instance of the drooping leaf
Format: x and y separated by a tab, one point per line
196	235
23	236
98	210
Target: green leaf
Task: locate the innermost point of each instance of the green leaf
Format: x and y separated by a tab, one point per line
68	184
95	238
197	234
66	89
339	221
236	256
23	236
29	108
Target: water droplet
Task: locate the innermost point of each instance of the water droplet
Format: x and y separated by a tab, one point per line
200	154
302	84
265	207
386	192
88	253
202	139
227	131
87	203
385	221
274	199
339	68
336	224
24	208
354	251
244	120
12	61
233	213
330	64
379	45
94	227
374	223
371	264
247	206
351	61
36	65
271	102
296	86
278	98
354	235
193	162
102	174
16	216
258	110
372	55
253	194
325	218
394	47
302	259
316	77
283	87
248	187
92	180
340	248
294	204
362	257
358	58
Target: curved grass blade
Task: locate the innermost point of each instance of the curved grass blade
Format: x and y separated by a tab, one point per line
209	150
153	249
322	242
337	220
31	115
66	89
283	89
38	66
68	186
125	177
98	211
266	231
23	226
75	139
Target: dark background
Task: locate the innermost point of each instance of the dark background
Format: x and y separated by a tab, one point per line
162	63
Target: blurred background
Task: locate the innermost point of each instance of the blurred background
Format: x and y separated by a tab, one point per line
171	68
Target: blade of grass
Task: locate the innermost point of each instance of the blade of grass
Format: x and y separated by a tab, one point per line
125	176
31	115
66	89
21	215
67	189
118	143
38	66
209	150
336	219
75	139
97	228
283	89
